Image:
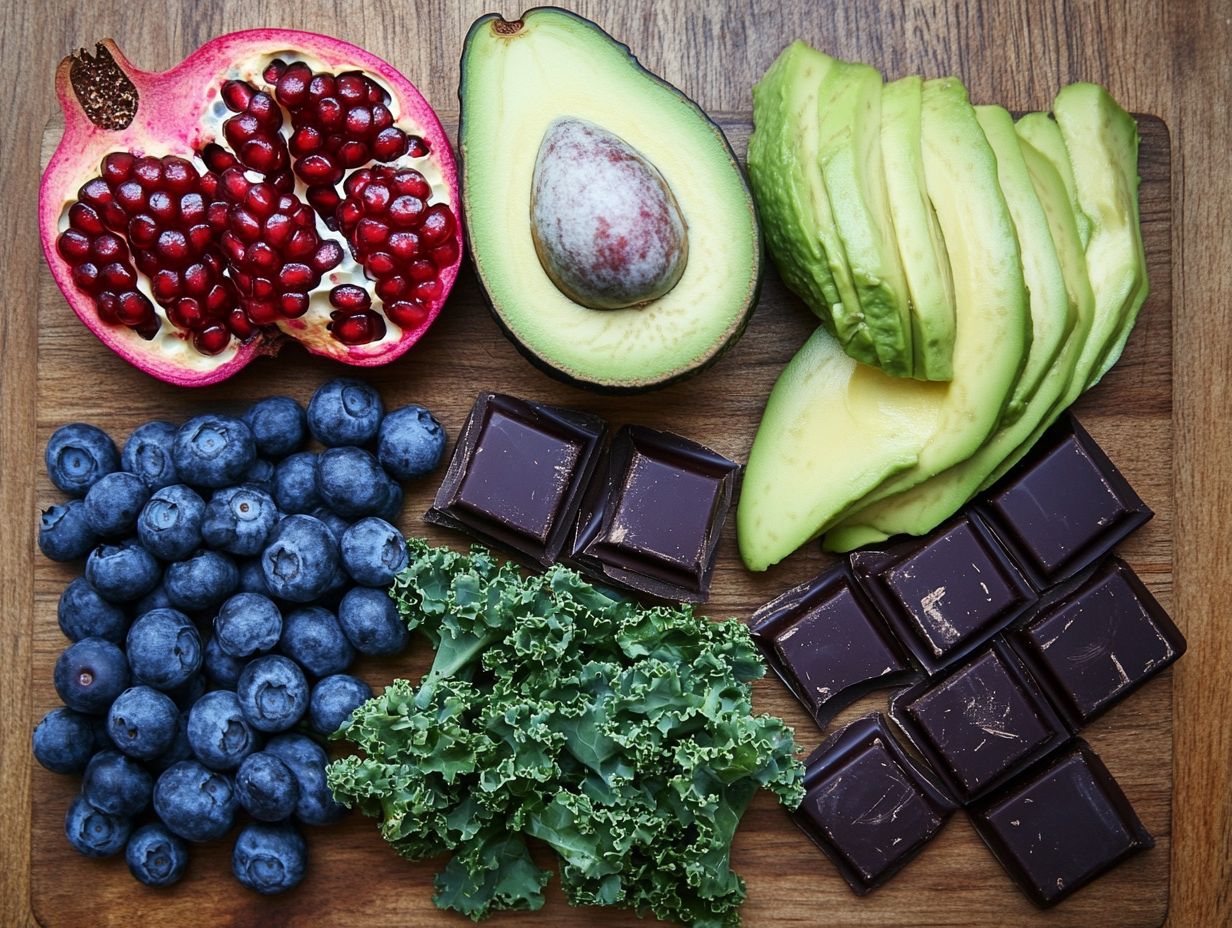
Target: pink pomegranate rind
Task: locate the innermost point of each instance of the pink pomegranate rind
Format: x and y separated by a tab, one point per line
179	112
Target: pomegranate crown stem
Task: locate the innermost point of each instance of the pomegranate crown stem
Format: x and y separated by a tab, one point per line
106	95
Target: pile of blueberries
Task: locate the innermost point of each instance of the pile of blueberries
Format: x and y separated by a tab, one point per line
231	577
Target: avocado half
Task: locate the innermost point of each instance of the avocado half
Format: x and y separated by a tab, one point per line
518	79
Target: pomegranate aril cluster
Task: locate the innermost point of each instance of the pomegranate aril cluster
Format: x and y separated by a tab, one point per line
340	122
271	242
400	240
162	207
253	134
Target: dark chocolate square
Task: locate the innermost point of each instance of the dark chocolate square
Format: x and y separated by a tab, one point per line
947	593
1060	825
1064	506
652	518
980	723
1098	642
828	644
867	805
517	475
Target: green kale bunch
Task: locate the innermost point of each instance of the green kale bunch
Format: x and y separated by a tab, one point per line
621	736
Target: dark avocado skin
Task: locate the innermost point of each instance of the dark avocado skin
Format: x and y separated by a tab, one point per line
545	364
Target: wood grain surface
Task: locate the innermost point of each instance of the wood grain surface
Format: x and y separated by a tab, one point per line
1172	62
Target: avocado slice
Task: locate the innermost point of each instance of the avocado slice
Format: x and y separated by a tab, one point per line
835	432
518	79
921	247
849	153
1044	135
1102	141
1061	301
792	199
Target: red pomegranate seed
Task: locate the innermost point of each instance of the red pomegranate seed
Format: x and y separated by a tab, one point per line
391	289
359	329
421	270
405	211
134	309
148	172
390	144
410	181
108	247
294	305
118	167
324	199
437	225
85	276
418	147
380	264
237	94
305	141
426	291
212	339
404	245
446	254
118	276
350	298
405	313
274	70
239	324
327	257
292	84
167	286
187	313
179	175
73	246
297	276
85	218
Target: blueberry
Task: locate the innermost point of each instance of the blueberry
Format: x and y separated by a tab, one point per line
195	802
155	856
90	674
238	520
164	649
313	638
94	832
248	624
260	476
142	722
295	483
221	669
170	524
351	482
64	741
117	784
301	559
201	581
78	455
188	692
306	760
252	577
270	858
345	412
266	788
64	531
84	614
102	740
335	523
278	425
391	507
213	451
155	599
113	504
122	573
147	453
410	443
273	693
371	622
333	700
219	735
373	552
180	748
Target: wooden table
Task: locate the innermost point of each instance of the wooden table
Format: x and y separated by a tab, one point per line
1173	63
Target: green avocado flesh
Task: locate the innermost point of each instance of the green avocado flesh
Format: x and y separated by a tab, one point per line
518	78
1044	135
926	263
837	435
1061	306
849	154
795	208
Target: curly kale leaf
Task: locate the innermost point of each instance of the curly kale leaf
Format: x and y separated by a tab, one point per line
621	736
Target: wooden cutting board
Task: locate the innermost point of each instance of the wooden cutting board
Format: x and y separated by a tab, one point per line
355	878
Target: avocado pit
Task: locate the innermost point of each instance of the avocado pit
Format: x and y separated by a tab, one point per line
606	227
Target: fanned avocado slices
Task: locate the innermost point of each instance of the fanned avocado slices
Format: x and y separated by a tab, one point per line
1061	307
835	432
792	199
925	260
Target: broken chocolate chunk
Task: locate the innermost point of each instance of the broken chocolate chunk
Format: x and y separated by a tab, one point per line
1059	825
947	593
867	805
1098	642
1064	506
517	475
652	518
980	723
828	644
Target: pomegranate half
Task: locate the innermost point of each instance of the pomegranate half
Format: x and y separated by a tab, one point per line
274	185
